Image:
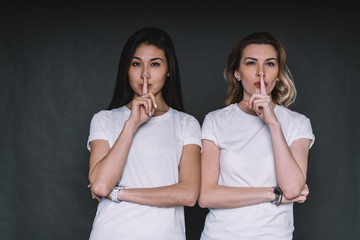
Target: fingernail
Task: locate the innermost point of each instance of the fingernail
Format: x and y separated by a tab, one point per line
155	105
150	114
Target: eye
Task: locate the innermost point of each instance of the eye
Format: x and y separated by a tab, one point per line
270	64
250	63
135	64
155	64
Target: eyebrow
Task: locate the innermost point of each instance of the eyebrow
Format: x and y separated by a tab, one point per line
268	59
152	59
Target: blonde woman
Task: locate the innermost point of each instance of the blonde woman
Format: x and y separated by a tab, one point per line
255	149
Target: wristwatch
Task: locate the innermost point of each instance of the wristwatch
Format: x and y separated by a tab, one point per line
278	196
115	192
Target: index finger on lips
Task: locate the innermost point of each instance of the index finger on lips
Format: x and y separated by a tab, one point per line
145	87
262	84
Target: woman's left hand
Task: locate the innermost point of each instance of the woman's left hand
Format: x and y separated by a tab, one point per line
262	104
93	195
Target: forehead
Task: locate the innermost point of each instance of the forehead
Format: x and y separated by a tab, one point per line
259	51
145	51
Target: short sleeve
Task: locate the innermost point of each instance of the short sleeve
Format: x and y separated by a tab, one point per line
96	130
207	130
193	132
305	131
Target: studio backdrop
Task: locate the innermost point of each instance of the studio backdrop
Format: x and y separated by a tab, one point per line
58	66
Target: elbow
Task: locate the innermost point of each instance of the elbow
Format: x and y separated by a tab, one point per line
189	196
291	192
100	190
191	199
203	201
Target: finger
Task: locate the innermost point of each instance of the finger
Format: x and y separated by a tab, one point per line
259	105
152	96
262	84
252	99
145	87
150	106
98	198
141	103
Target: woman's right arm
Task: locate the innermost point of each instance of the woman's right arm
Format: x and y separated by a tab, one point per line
213	195
107	164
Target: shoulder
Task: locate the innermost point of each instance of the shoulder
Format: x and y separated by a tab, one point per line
291	118
109	115
290	114
183	116
222	113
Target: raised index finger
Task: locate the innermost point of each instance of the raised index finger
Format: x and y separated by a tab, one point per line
145	87
262	84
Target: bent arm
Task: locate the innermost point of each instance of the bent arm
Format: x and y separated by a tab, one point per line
290	162
213	195
106	165
183	193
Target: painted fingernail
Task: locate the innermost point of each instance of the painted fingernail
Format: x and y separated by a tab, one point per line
155	105
150	114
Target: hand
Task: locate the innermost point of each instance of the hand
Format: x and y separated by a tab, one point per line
94	196
262	104
143	107
299	199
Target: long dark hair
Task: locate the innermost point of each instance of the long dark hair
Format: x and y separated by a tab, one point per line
171	90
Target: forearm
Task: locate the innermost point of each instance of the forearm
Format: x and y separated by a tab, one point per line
106	173
167	196
218	196
289	174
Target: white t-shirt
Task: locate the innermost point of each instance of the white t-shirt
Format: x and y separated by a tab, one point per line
153	161
246	160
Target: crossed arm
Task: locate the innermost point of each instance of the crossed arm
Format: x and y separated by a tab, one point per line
106	166
213	195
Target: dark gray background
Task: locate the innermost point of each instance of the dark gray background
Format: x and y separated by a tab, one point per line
58	66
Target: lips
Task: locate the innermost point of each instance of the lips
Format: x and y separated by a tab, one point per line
148	86
257	84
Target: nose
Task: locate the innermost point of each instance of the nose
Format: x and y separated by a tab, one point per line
145	73
260	70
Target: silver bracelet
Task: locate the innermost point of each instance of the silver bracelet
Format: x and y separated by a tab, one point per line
115	192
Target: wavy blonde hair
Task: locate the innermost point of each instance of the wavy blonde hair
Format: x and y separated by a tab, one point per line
284	92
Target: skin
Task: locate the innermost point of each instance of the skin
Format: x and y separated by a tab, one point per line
147	75
258	72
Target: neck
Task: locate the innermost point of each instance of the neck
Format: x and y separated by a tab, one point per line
244	106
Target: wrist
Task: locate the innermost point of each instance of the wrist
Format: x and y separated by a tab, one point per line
275	124
114	195
130	124
278	196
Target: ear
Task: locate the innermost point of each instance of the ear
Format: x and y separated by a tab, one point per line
237	74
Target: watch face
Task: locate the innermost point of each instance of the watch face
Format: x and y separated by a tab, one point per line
277	191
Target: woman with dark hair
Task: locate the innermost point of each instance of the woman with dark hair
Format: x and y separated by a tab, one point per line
255	149
144	149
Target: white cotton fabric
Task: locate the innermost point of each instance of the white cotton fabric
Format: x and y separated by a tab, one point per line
246	160
152	161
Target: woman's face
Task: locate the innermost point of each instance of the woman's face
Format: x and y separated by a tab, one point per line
149	62
256	59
